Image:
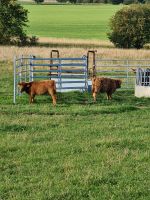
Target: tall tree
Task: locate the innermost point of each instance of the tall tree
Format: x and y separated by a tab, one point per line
13	19
130	27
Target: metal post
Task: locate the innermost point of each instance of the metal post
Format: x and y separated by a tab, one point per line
14	97
51	60
28	70
20	70
25	64
85	61
93	64
141	75
127	69
144	73
31	69
59	76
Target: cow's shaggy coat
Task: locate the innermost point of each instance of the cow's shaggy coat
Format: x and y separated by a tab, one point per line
39	87
101	84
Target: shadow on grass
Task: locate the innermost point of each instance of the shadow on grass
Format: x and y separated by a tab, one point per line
76	103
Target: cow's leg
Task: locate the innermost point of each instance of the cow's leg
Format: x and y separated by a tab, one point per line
109	95
31	98
52	92
94	96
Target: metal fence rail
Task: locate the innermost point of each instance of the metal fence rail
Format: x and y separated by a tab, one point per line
120	69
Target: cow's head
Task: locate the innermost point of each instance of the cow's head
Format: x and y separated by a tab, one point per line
24	86
118	83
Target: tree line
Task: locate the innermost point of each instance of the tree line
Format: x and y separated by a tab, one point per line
100	1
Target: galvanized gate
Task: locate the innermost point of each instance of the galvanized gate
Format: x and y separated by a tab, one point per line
123	69
69	73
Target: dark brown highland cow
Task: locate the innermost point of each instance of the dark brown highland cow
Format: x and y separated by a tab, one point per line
39	87
108	85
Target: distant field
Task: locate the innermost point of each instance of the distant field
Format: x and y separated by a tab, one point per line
70	21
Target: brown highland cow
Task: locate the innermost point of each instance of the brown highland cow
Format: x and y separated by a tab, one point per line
108	85
39	87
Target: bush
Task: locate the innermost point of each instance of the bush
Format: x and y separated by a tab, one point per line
39	1
116	2
33	41
130	27
127	2
26	41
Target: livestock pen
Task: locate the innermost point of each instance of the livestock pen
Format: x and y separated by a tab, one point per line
74	73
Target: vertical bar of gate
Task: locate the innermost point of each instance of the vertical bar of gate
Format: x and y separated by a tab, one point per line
136	77
85	62
93	64
139	77
20	70
19	78
51	61
25	61
144	83
14	97
31	68
28	69
59	75
127	70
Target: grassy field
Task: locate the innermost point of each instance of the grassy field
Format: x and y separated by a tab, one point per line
70	21
77	150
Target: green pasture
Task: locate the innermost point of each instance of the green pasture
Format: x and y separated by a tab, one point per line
78	150
70	21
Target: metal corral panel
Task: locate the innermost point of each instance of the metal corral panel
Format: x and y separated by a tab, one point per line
69	73
120	68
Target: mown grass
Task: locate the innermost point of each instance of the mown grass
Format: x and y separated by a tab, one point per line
76	150
70	21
